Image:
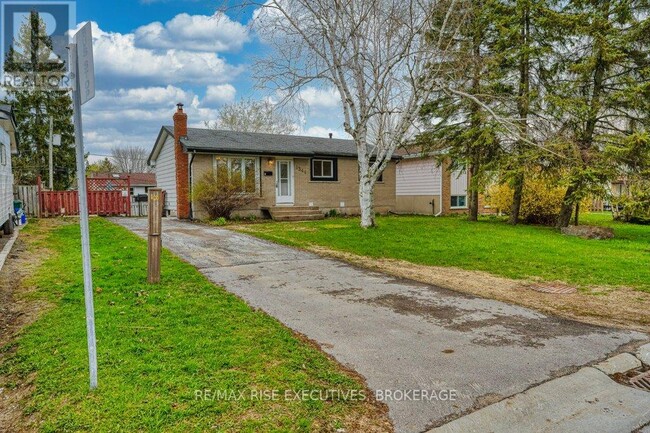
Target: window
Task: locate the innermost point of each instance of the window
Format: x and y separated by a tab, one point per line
458	201
3	154
324	169
241	169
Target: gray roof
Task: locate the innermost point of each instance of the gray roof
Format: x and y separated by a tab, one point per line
210	140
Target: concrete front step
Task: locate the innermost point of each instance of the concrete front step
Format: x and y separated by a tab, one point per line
296	213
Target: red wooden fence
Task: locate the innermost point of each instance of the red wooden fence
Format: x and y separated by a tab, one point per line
106	197
59	203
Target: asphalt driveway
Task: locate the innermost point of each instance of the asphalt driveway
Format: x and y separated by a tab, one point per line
400	335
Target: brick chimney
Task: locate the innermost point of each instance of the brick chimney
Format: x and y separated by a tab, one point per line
182	165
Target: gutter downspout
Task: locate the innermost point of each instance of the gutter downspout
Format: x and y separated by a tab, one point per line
191	175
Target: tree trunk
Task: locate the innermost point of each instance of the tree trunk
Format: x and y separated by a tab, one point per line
577	219
523	107
473	193
366	201
564	218
518	193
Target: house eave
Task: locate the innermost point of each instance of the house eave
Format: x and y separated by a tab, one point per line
160	141
218	151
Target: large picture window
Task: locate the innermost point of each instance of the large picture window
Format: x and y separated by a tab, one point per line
238	169
324	169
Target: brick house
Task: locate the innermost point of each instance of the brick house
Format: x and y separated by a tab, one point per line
295	177
424	186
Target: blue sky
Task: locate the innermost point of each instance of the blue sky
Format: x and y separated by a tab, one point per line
151	54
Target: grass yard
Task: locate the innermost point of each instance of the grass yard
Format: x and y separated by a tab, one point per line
158	345
491	245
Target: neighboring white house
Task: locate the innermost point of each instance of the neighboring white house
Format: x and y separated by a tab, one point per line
8	147
165	169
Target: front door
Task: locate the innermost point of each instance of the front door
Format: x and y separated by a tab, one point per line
284	182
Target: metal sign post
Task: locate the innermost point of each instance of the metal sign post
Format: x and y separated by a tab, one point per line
83	89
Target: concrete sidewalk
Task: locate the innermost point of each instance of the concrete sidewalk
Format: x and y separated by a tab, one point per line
584	402
400	335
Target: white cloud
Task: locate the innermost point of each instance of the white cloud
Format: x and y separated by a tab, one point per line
118	58
320	98
320	131
135	116
220	94
141	97
217	33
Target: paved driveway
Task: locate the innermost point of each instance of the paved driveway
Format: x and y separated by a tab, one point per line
400	335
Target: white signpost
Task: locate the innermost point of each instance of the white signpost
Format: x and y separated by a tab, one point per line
83	90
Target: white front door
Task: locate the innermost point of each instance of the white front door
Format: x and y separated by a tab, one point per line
284	182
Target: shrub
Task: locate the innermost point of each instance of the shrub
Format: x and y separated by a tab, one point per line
221	195
540	204
333	213
635	205
221	221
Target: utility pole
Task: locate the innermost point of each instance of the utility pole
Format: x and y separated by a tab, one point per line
51	153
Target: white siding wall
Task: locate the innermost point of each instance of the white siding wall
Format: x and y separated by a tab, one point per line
6	179
418	177
459	182
137	190
166	174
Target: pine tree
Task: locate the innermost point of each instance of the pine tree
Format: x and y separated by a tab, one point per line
526	36
35	98
600	87
458	126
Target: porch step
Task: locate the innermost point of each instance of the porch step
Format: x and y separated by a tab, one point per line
296	213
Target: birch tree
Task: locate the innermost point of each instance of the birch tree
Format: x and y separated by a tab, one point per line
376	53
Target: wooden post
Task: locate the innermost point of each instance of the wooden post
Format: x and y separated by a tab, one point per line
155	235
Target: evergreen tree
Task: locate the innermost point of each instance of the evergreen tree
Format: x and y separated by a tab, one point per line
36	98
527	35
102	166
458	126
600	89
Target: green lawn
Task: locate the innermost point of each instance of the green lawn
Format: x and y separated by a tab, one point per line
158	345
490	245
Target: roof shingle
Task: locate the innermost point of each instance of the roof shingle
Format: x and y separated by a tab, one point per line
210	140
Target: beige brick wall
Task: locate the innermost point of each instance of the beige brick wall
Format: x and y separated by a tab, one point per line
325	195
446	196
418	204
